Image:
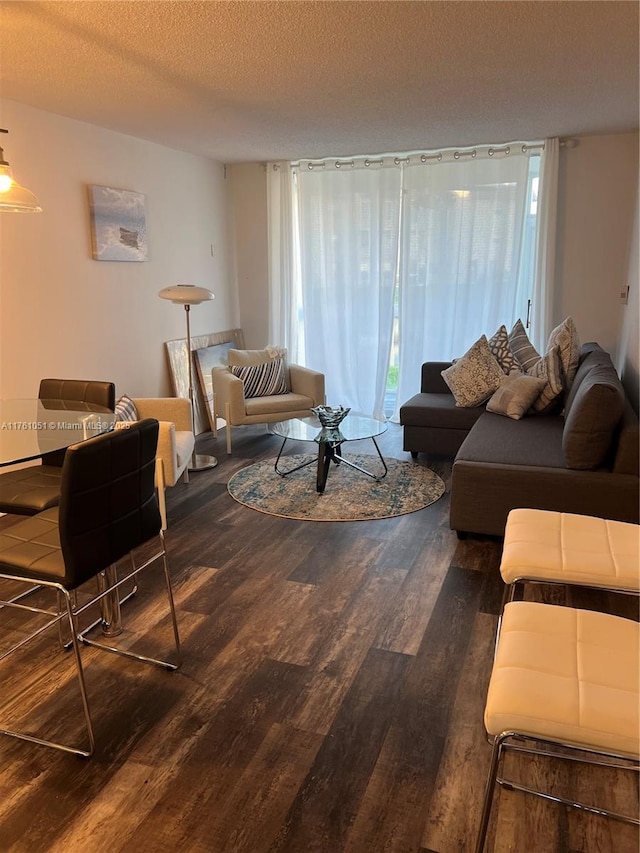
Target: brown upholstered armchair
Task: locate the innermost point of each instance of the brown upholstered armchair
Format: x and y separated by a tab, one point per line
305	389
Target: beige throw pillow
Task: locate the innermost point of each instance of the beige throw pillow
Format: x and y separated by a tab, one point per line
565	337
516	395
474	377
248	357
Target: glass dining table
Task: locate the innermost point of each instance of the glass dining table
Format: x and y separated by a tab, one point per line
31	428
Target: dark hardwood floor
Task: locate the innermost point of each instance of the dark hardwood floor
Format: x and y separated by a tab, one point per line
331	696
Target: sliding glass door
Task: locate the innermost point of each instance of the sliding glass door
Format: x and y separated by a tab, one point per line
399	260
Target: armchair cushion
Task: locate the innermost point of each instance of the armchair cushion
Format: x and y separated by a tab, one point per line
247	357
175	437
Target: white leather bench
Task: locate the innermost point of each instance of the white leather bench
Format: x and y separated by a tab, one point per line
559	547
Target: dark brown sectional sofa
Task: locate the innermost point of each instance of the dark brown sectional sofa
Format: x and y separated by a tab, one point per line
584	460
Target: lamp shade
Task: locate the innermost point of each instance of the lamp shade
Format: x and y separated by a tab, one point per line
186	294
13	197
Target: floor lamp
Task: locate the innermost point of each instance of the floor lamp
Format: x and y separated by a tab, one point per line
188	295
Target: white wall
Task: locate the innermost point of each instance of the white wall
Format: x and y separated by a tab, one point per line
64	314
629	363
597	195
249	215
598	182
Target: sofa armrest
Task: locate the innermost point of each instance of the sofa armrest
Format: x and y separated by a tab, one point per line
308	382
177	410
228	388
432	381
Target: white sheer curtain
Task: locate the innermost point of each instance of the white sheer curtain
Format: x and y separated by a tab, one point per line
545	252
282	259
461	255
406	260
348	233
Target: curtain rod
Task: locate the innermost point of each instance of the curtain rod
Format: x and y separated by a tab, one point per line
426	156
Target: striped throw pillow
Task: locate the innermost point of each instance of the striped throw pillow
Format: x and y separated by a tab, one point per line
549	367
126	409
262	380
524	351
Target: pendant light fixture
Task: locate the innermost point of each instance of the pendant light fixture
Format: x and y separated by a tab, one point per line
13	197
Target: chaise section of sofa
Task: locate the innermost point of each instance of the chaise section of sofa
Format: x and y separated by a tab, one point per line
431	421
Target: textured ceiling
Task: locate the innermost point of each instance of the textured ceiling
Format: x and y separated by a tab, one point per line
246	81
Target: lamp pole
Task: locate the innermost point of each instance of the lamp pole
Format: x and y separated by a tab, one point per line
188	295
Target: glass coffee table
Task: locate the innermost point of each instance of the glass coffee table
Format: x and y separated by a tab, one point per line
329	441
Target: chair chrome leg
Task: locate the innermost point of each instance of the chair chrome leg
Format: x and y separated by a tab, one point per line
134	655
84	753
489	792
110	604
172	607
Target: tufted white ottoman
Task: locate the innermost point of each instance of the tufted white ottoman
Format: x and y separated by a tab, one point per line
566	677
559	547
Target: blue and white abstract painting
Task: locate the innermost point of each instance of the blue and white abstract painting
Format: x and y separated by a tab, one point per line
118	224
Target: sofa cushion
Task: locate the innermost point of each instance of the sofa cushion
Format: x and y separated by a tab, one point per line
534	442
591	354
565	337
499	346
474	377
185	443
592	413
438	411
516	395
522	348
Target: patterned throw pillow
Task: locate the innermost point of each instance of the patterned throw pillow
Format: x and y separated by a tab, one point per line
126	409
474	377
499	346
262	380
516	395
549	367
565	336
525	352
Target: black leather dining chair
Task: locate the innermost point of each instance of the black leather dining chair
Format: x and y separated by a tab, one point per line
30	490
108	507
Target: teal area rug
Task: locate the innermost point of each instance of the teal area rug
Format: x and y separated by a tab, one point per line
349	495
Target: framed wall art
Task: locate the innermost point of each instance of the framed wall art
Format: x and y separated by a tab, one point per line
118	224
179	370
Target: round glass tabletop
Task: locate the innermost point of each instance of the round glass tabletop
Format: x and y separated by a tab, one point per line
352	428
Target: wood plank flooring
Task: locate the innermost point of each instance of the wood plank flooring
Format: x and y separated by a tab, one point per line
330	700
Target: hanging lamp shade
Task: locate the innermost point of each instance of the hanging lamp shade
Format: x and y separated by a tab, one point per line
186	294
13	197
